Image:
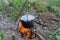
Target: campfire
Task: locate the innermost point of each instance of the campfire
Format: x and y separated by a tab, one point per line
25	27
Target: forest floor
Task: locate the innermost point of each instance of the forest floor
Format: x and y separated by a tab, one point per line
45	23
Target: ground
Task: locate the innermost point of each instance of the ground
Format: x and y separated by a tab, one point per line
45	23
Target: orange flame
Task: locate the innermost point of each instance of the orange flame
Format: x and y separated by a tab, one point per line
26	31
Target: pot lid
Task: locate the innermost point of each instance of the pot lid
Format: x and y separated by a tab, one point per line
27	17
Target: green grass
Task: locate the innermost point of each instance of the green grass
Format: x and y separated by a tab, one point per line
2	5
58	24
2	35
41	6
54	2
50	5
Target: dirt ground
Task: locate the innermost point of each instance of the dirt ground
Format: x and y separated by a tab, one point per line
45	23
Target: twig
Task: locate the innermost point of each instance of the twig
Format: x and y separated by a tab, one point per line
39	36
13	37
21	11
